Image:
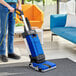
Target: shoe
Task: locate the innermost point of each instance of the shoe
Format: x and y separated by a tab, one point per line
13	56
3	58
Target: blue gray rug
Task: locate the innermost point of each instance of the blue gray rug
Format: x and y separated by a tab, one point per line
65	67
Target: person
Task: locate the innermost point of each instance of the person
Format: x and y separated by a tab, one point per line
7	22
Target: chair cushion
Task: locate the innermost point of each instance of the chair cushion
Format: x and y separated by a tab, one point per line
68	33
36	23
71	21
58	20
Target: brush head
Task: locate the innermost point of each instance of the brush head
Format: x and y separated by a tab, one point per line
43	67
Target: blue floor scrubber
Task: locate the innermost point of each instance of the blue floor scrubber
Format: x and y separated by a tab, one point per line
37	57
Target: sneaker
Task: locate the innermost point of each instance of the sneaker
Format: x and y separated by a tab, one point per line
3	58
13	56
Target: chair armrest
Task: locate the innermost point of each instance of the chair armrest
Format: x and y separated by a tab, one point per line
58	20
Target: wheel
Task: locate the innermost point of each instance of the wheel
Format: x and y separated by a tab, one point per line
40	70
29	64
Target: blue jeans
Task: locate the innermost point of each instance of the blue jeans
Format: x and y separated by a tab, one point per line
10	23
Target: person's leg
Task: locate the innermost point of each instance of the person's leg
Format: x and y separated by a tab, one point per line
11	25
3	30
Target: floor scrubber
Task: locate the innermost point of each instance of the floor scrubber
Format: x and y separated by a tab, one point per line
37	57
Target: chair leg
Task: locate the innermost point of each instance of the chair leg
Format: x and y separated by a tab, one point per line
51	37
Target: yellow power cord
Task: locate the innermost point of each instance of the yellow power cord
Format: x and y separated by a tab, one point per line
5	27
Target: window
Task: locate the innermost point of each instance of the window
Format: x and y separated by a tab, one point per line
67	6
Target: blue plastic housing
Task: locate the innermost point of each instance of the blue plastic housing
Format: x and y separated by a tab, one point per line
34	45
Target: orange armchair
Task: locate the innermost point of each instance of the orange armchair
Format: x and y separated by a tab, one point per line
34	14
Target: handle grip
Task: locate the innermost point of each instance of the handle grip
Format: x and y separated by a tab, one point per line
19	12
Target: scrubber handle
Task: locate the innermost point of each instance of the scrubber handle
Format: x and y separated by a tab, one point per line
28	23
19	12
